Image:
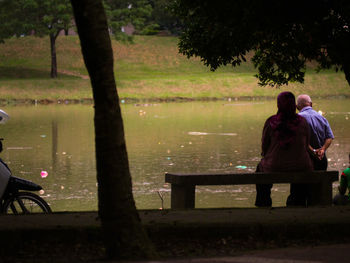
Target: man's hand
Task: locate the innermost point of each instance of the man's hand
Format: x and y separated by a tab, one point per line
320	153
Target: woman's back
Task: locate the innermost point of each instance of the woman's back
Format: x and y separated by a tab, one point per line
289	157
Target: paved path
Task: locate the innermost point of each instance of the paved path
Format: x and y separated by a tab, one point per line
319	254
317	223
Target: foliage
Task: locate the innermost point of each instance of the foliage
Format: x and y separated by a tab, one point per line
163	16
44	17
284	35
38	17
135	13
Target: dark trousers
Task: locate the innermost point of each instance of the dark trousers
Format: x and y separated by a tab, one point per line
263	193
300	193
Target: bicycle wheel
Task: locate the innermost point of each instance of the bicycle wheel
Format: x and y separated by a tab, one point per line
25	203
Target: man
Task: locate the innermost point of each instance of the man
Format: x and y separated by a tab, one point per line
321	137
321	134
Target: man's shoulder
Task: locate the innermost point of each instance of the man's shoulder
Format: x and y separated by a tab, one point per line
307	110
311	113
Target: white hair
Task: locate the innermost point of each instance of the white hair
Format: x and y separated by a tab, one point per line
303	101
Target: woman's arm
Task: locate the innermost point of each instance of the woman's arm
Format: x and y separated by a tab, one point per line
266	138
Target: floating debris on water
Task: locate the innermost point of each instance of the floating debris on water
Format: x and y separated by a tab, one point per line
19	148
241	167
212	133
141	112
44	174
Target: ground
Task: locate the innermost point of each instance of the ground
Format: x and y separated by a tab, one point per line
201	233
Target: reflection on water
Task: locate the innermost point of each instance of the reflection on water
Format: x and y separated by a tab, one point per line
57	141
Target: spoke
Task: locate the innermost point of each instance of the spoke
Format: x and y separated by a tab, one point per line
13	208
23	207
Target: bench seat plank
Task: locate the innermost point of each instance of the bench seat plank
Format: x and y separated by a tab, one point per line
183	185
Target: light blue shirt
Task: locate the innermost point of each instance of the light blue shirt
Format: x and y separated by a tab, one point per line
319	127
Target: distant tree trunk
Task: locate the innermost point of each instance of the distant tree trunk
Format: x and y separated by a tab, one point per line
346	68
123	232
53	38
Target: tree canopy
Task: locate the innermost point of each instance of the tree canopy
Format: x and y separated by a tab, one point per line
38	17
283	35
137	13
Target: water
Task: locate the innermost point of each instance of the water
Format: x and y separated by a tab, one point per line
167	137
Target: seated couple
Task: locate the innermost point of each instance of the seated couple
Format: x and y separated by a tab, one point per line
286	147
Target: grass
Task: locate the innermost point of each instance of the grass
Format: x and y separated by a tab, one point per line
151	68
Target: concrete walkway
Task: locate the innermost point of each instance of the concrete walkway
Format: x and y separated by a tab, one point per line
329	225
320	254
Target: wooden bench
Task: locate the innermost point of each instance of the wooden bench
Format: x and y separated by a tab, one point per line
183	186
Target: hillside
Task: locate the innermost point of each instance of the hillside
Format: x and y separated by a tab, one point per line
151	68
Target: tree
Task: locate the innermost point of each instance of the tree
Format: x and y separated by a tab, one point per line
42	17
283	35
163	16
123	232
137	13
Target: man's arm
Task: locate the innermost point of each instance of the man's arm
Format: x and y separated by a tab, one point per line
321	151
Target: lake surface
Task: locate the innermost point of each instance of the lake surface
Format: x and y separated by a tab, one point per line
217	137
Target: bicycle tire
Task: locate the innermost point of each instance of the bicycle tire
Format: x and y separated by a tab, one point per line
26	203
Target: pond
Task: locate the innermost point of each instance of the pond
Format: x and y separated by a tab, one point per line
53	145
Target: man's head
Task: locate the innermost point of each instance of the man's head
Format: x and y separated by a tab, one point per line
303	101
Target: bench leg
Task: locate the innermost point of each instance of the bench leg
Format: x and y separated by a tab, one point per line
182	196
321	194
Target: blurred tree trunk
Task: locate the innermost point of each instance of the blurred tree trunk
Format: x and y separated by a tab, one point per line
53	38
122	229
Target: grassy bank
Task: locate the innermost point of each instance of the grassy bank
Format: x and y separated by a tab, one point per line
149	69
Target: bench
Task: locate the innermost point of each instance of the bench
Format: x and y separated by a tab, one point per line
183	186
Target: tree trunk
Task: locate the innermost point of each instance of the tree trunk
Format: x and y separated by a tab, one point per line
346	69
53	55
123	232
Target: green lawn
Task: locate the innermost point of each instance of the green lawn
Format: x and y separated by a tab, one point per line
151	68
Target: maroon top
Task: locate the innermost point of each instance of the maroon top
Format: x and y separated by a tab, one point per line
285	139
291	158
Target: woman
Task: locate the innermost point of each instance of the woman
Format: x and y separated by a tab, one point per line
285	141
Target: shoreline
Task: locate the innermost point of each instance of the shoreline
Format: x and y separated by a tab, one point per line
10	102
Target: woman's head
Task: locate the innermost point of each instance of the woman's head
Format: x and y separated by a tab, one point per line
286	104
286	122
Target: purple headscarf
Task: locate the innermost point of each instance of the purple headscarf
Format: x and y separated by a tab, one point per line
286	122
